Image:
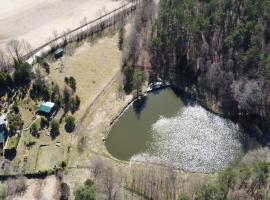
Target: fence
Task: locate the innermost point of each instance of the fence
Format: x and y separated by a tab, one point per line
88	29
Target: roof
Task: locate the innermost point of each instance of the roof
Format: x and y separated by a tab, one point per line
1	134
60	50
46	107
3	119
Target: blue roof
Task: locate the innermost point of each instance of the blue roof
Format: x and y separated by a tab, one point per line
44	108
1	134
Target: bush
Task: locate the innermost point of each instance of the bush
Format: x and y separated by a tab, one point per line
64	191
44	122
50	172
121	37
14	122
23	74
54	128
75	104
29	143
12	142
183	196
15	108
70	124
128	72
34	129
86	192
71	82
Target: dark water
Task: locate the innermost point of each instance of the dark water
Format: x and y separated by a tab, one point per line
164	128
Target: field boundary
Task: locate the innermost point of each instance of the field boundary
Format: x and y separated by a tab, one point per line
88	29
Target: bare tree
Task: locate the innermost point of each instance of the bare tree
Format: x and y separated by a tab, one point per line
15	49
106	176
3	61
109	179
37	193
96	166
55	36
16	186
27	48
64	38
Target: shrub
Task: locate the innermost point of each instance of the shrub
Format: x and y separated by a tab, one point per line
23	74
70	124
64	191
86	192
54	128
34	129
44	122
14	122
183	196
121	37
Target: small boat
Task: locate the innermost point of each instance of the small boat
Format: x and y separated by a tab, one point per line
155	86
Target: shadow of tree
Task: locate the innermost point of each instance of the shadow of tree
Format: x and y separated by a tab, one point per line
139	105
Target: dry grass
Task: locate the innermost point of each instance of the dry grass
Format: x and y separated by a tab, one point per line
92	66
28	112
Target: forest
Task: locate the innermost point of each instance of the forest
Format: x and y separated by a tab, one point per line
220	48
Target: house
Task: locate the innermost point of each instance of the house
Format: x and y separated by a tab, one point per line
46	109
58	53
3	124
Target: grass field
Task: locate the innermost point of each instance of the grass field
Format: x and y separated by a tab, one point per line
92	66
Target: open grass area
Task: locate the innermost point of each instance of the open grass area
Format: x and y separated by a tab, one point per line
92	65
12	142
95	128
28	109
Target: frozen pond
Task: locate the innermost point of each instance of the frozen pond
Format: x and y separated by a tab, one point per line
169	129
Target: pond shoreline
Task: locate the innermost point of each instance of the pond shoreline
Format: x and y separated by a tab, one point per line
130	103
131	141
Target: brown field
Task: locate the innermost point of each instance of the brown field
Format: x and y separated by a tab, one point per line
35	20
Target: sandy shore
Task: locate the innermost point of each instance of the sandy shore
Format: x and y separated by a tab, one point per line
36	20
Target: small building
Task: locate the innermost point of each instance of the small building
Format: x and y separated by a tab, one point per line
46	108
58	53
3	124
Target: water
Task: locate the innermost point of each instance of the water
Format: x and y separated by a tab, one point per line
167	129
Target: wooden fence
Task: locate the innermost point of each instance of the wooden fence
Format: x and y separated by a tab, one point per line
88	29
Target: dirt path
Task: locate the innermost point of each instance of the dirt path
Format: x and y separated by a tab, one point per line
116	77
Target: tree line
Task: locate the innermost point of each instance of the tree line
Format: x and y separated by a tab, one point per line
221	45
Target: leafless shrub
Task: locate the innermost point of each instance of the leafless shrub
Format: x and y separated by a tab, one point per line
37	193
16	186
27	48
64	191
81	144
106	178
248	94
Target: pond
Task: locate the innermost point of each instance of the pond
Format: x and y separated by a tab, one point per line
169	128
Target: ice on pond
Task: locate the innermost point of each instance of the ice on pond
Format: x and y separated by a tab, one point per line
194	140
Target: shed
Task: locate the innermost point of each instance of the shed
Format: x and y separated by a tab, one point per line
2	132
59	53
46	108
3	123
